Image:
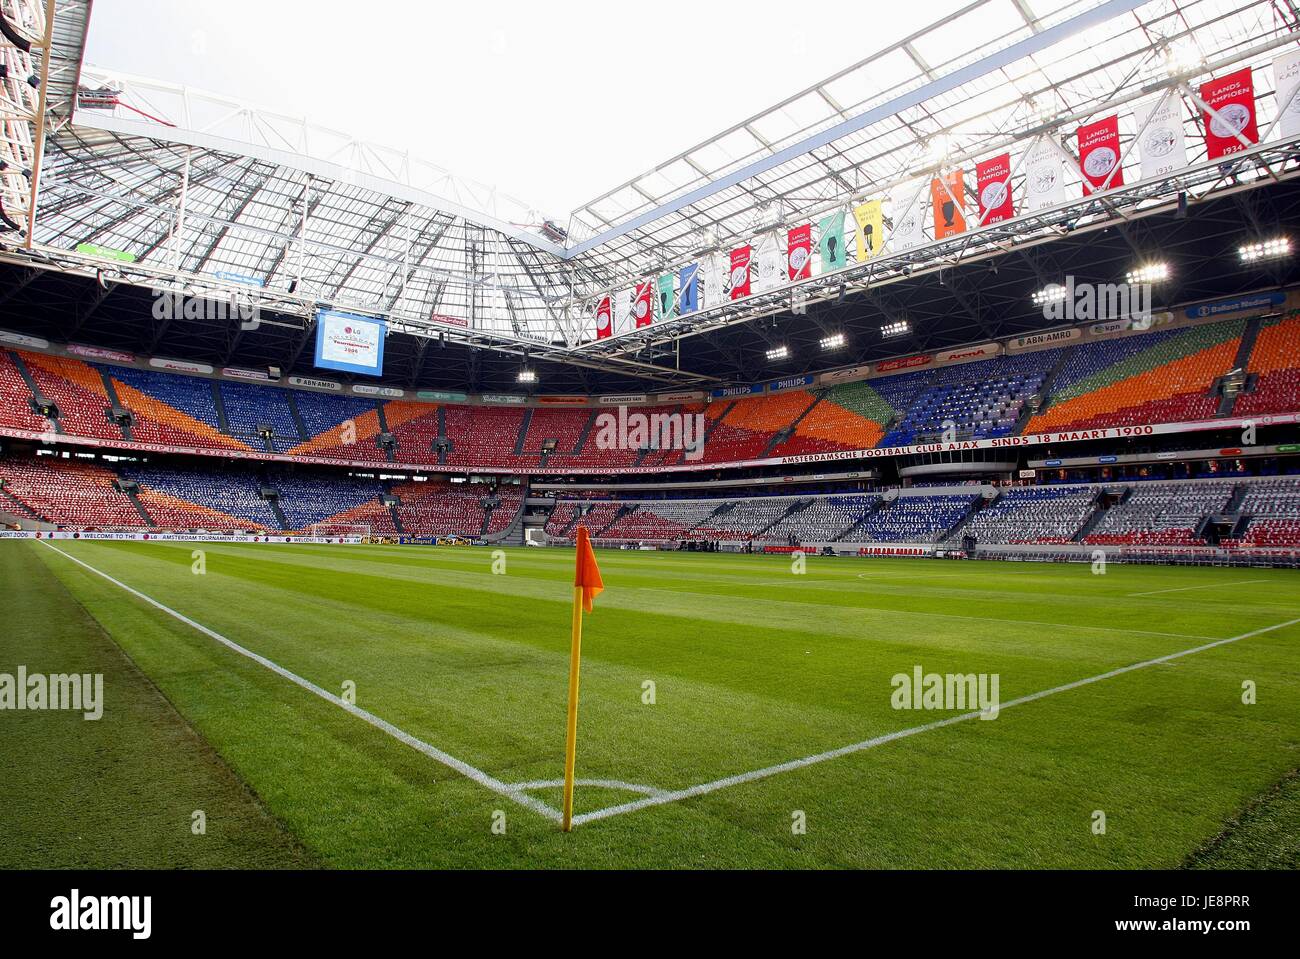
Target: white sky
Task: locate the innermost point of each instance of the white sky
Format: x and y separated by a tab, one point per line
551	102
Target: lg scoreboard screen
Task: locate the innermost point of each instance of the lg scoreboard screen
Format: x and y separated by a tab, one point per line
350	343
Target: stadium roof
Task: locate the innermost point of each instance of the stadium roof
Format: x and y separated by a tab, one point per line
173	186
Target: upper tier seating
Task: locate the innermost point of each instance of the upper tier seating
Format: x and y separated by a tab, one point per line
849	416
980	399
78	391
248	407
1162	377
1275	360
15	399
1032	514
484	435
1161	514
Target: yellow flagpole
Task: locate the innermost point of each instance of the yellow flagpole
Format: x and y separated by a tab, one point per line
571	745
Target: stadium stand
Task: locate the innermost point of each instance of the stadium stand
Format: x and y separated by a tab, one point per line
73	493
1032	514
15	398
1161	377
823	520
981	399
1161	514
913	519
234	494
1275	366
78	391
1167	375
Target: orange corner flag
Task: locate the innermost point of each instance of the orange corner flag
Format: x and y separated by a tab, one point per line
588	573
586	584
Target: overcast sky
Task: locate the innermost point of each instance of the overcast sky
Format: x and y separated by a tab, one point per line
553	103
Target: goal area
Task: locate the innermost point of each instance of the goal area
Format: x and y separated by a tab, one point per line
339	530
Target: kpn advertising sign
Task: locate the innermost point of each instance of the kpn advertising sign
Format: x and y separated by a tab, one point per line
349	343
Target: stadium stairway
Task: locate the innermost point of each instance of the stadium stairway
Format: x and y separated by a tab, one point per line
798	506
523	431
111	392
953	531
14	505
783	435
33	389
847	535
303	434
586	432
274	503
219	404
1044	395
1094	518
133	494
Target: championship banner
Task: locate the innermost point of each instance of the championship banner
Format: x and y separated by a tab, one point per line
643	310
946	200
1233	100
770	264
1161	142
1044	181
869	218
605	319
906	212
622	311
667	299
993	185
1286	80
830	243
1099	155
798	252
741	276
715	272
689	282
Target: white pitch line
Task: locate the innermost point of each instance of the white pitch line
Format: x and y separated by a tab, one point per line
433	752
1183	589
602	783
692	791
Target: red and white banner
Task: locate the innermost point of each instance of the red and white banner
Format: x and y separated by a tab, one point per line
798	252
643	309
1286	80
1233	101
605	319
993	183
1099	154
740	273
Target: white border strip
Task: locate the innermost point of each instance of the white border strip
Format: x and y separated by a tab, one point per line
513	793
704	788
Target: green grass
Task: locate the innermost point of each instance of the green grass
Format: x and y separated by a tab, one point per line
120	791
752	666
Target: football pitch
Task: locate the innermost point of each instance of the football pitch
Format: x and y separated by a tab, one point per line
372	707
